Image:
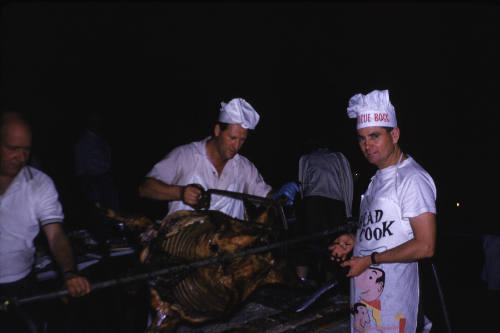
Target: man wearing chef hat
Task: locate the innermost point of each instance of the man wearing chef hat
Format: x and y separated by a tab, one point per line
212	163
397	224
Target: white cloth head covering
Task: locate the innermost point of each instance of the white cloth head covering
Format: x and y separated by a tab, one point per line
372	109
238	111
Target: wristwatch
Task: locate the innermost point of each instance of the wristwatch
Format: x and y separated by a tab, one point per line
372	256
69	274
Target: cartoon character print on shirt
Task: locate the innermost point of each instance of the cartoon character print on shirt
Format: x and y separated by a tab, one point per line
374	227
361	317
370	285
368	307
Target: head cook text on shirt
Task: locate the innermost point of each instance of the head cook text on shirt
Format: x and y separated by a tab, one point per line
238	111
372	109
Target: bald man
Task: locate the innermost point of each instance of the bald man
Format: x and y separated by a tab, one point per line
28	202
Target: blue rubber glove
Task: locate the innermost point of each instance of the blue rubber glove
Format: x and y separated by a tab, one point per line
289	190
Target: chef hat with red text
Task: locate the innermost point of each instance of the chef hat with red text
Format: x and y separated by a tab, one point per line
238	111
372	109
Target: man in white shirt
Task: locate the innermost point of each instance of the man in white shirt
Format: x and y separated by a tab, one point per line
212	163
28	202
397	222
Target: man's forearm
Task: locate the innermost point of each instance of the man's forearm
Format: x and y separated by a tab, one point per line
420	247
62	252
155	189
410	251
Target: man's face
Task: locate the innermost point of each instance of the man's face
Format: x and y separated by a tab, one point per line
229	141
378	145
367	284
15	146
362	318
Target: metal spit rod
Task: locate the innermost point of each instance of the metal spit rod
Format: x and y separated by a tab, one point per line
262	200
174	269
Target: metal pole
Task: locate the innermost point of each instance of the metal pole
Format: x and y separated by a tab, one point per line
441	298
242	196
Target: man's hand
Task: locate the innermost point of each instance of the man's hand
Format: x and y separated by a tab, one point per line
357	265
191	194
341	247
288	190
77	285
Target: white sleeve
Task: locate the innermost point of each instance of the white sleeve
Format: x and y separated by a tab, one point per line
418	195
254	182
169	169
48	208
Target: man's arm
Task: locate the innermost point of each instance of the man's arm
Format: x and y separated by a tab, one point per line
420	247
155	189
61	251
342	246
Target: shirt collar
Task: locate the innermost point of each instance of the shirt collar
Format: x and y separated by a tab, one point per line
201	148
24	176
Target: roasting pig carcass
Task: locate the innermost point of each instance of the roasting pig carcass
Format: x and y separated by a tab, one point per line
212	291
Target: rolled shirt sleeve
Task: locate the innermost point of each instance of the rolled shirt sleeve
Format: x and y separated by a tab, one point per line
48	208
419	195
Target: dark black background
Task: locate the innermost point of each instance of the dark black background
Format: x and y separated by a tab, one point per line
159	70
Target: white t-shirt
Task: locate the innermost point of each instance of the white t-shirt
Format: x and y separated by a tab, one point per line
30	201
389	292
413	186
189	164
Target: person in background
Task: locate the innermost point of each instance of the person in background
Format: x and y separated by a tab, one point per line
212	163
397	223
28	202
92	162
490	273
327	192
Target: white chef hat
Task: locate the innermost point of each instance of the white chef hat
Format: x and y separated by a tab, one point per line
372	109
238	111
